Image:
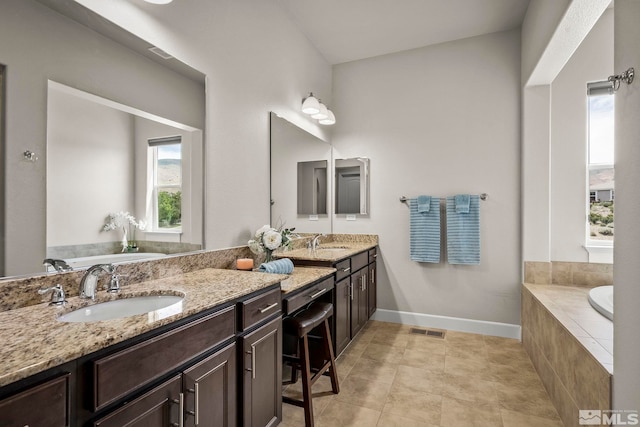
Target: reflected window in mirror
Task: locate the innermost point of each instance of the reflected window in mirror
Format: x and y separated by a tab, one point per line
166	183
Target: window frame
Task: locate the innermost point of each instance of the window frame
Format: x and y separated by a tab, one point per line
594	246
154	213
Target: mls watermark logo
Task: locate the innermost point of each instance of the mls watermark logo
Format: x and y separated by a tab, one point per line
590	417
596	417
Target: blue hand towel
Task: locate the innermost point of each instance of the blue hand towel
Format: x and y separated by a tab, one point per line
462	203
424	203
424	232
463	232
280	266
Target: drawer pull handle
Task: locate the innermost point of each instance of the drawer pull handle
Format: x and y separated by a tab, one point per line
179	402
269	307
196	399
345	270
375	255
317	294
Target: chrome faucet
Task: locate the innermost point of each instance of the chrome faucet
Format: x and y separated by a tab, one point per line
59	265
315	242
89	282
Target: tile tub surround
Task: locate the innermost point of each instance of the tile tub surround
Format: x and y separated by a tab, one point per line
34	340
568	273
22	292
570	345
389	377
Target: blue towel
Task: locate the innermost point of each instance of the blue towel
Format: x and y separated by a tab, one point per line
424	203
463	232
424	232
280	266
462	203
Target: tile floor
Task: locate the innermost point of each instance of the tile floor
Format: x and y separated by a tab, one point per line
389	377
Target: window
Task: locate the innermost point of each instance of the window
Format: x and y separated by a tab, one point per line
600	164
166	161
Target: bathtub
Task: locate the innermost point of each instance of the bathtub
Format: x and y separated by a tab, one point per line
601	298
88	261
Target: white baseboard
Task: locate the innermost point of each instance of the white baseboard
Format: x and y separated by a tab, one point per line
505	330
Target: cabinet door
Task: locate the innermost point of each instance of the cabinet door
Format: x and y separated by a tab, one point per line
358	301
160	407
209	389
373	289
43	405
341	314
262	368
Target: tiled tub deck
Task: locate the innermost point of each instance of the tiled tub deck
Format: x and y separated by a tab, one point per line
571	347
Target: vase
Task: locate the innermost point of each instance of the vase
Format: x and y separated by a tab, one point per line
268	255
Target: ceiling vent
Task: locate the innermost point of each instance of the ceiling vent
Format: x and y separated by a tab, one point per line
161	53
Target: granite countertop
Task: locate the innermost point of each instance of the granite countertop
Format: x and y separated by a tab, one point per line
33	340
303	276
331	251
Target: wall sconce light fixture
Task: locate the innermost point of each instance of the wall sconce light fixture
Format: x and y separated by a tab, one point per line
317	110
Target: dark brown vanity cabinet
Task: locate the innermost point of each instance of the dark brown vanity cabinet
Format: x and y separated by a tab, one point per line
261	360
209	389
45	404
372	287
355	294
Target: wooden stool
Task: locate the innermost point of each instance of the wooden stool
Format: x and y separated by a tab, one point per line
299	326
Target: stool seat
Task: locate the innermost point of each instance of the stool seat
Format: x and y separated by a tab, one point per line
299	326
302	323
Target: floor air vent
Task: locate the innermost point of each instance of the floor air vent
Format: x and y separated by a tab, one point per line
427	332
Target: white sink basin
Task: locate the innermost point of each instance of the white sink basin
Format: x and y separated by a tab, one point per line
157	306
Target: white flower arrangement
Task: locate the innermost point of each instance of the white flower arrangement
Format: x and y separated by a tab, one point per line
267	239
126	222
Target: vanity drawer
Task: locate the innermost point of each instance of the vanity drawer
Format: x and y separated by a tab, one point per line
121	373
46	404
258	308
294	302
359	261
373	254
344	269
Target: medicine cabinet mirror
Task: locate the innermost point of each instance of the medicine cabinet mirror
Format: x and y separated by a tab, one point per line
352	186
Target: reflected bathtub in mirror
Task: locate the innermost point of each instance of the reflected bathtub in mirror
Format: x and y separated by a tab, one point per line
352	186
312	187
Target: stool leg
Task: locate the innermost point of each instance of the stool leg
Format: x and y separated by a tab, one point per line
294	371
329	352
306	381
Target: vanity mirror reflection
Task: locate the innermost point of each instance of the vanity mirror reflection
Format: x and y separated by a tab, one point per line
352	186
312	187
300	183
52	41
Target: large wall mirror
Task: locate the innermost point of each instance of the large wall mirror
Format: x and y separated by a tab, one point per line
87	98
300	181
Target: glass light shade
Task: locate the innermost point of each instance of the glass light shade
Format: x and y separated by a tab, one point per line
322	114
310	105
330	120
159	1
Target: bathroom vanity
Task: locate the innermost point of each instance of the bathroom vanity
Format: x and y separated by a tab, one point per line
219	361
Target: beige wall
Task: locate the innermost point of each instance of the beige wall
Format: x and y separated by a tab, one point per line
439	120
592	61
626	383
